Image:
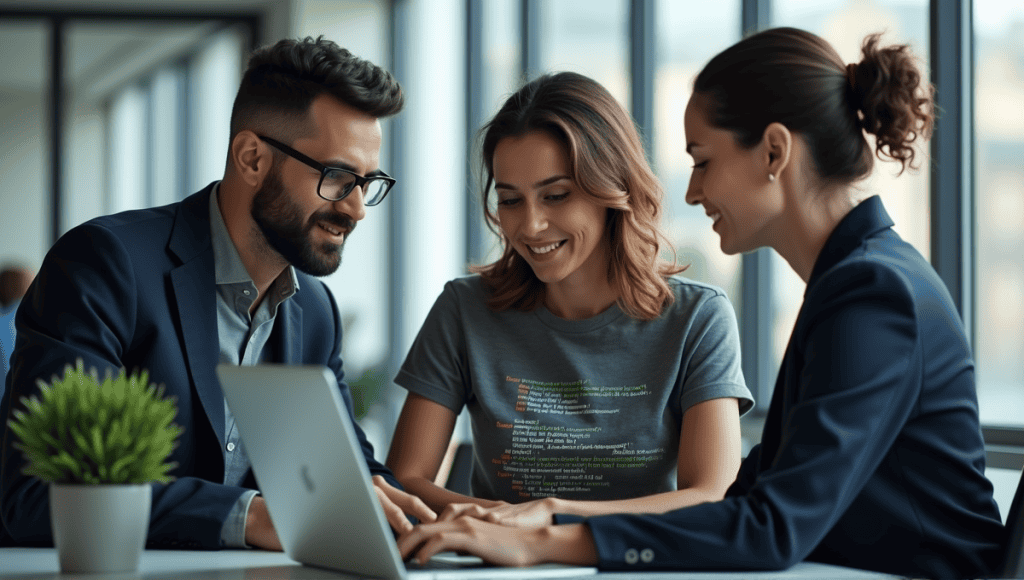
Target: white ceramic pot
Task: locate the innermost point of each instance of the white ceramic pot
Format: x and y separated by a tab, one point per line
99	528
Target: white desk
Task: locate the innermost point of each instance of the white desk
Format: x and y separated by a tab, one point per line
41	563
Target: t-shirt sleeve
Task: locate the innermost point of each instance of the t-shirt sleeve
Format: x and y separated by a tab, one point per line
435	367
713	367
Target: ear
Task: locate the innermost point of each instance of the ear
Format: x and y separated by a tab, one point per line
777	142
251	158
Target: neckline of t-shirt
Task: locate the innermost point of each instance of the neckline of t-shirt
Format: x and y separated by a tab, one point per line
550	320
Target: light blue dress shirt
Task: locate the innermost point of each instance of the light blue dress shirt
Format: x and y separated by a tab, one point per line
242	338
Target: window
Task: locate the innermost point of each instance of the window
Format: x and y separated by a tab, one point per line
589	37
688	35
498	76
845	24
999	209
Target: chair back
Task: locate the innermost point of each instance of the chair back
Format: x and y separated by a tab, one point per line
462	469
1013	564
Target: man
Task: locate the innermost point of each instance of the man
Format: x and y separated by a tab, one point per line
223	276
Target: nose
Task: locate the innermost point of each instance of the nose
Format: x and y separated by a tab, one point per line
536	220
693	192
352	204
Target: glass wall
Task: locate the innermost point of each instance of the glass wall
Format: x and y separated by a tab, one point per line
845	24
24	157
999	209
499	76
590	37
688	35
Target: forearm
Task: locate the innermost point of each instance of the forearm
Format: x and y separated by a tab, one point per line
437	497
651	504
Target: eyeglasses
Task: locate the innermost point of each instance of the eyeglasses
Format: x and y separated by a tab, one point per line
337	182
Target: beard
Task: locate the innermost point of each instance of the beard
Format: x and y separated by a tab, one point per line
280	221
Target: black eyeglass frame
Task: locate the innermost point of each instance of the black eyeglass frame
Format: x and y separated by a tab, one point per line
323	169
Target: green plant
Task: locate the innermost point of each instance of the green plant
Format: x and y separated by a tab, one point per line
81	431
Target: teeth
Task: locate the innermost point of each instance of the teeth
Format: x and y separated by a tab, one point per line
545	249
330	229
715	216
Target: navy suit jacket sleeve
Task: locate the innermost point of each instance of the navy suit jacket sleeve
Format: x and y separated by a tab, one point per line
851	402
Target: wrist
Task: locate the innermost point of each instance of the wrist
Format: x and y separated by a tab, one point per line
557	505
568	544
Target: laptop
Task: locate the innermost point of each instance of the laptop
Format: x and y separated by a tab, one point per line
310	467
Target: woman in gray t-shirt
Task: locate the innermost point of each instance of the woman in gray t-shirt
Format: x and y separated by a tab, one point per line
596	381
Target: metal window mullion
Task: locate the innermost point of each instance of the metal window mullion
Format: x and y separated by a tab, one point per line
952	150
643	49
57	115
396	211
181	130
148	149
474	120
529	31
756	316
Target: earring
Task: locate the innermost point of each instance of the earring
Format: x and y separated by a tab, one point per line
771	177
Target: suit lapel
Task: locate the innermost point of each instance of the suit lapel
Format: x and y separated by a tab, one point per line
195	296
290	320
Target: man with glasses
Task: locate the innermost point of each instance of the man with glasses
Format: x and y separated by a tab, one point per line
225	276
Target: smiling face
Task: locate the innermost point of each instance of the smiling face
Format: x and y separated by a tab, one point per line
546	218
730	182
304	229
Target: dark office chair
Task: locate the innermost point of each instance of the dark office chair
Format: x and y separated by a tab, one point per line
1013	564
462	467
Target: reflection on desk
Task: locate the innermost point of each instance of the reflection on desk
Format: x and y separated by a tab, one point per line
41	563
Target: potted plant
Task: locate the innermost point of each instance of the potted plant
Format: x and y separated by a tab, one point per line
99	446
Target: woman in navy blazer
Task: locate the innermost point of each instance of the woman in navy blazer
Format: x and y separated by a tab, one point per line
872	454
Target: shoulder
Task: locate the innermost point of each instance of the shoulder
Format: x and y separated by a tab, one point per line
314	293
140	223
465	294
470	287
871	292
693	298
890	272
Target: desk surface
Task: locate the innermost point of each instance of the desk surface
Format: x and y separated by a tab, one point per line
41	563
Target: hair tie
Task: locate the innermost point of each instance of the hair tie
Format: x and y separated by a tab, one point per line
851	75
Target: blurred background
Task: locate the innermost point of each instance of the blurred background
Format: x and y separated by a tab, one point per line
107	106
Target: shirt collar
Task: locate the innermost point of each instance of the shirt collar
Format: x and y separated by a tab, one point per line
865	220
227	264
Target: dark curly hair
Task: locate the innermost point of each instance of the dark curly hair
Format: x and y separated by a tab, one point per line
282	80
796	78
607	161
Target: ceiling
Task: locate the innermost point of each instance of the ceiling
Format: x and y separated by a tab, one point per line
99	55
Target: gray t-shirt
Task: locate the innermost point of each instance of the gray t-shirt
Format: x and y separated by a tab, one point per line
579	409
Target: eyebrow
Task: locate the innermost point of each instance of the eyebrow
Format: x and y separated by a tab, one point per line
335	163
539	184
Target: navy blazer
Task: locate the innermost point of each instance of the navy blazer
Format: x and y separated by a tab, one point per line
136	290
872	454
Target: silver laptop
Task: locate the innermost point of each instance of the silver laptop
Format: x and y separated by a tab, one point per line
312	473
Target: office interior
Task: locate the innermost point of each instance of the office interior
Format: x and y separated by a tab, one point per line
109	105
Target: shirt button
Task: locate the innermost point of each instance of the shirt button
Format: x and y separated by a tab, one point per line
631	556
646	555
246	292
230	446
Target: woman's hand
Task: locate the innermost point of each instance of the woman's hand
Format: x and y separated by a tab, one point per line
531	514
500	545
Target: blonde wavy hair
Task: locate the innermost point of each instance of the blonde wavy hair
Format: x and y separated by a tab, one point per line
608	163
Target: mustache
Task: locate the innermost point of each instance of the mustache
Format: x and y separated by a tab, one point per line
339	220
